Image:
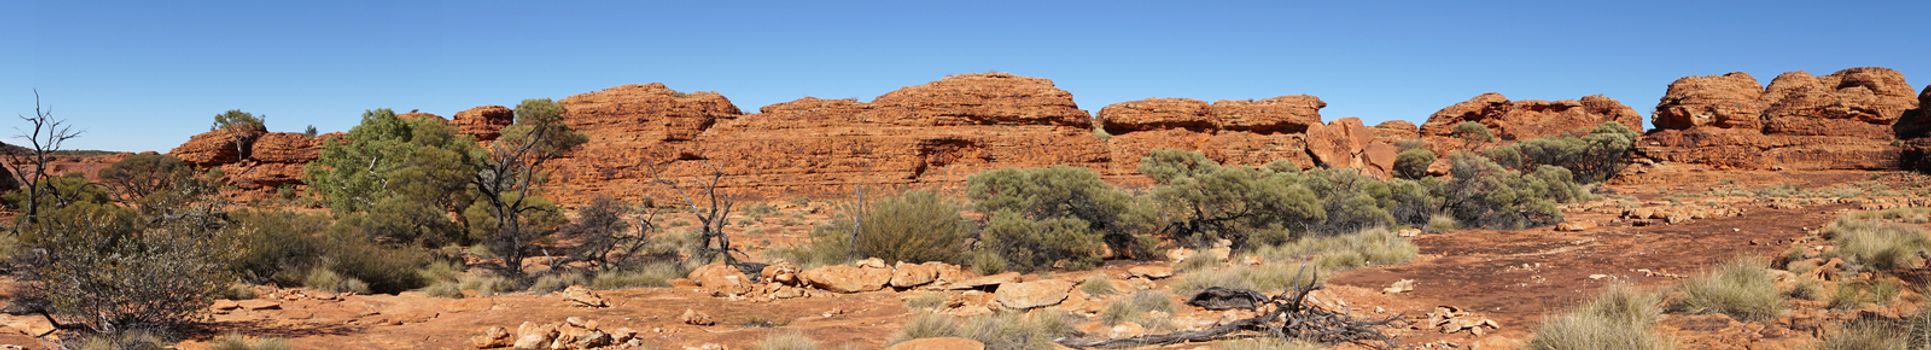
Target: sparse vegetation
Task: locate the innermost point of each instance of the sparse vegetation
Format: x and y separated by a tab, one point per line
916	226
1136	308
1740	288
1878	245
786	341
1098	285
238	342
1003	331
1065	201
1620	318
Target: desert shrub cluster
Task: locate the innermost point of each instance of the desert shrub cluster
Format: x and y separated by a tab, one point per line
1620	318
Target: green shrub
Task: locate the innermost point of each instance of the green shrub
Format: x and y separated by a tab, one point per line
551	283
1472	133
1593	157
1441	223
1413	163
1376	246
1740	288
916	226
1878	245
1619	319
1135	308
1097	285
277	246
1485	194
926	325
1202	202
237	342
325	280
385	269
1059	193
649	275
1028	245
786	341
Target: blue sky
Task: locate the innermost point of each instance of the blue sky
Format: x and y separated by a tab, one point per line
146	75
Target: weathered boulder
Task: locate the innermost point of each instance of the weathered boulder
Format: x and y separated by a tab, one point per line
1032	294
1282	114
1396	130
213	148
491	338
912	275
982	99
1526	119
721	278
1347	143
1150	271
1155	114
941	343
1858	102
847	279
1731	100
285	147
484	122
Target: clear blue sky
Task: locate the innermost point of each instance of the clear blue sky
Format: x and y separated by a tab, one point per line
145	75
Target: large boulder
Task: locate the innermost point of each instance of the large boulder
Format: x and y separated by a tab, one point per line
1282	114
1033	294
1727	101
1858	102
1916	123
721	278
1395	130
847	279
979	99
1347	143
1155	114
484	122
213	148
1526	119
286	147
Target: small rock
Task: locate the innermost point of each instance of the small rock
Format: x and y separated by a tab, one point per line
1027	295
580	296
1402	286
494	337
983	281
1150	271
692	317
912	275
259	304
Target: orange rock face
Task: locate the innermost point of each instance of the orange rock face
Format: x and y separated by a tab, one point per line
1726	101
1526	119
275	159
484	122
1397	130
211	148
1347	143
1283	114
1845	120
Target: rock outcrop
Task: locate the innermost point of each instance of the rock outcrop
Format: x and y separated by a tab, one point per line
1850	119
272	159
1526	119
484	122
1915	130
1347	143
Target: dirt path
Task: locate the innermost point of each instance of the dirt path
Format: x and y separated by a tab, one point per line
1516	277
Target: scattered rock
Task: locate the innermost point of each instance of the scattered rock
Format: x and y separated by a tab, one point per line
722	279
1402	286
912	275
693	317
258	304
1150	271
848	279
493	337
1575	226
941	343
580	296
984	281
1027	295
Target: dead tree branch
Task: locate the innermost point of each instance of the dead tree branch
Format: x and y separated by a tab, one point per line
1289	315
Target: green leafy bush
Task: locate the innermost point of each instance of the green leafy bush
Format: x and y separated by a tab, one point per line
1059	193
1413	163
1485	194
1202	202
1026	244
1593	157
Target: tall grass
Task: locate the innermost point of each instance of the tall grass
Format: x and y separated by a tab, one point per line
1740	288
1621	318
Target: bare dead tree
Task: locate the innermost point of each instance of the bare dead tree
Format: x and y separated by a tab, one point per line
43	138
1289	315
507	175
600	232
858	221
710	206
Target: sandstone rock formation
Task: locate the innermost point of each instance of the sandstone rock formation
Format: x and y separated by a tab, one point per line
1346	142
1526	119
1845	120
483	122
1397	130
274	159
1915	130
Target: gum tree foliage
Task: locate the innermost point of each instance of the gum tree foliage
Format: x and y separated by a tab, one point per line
1028	244
1064	192
1592	157
513	216
1201	201
399	177
1483	193
245	127
1413	163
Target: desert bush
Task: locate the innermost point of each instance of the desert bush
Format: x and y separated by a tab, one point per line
1441	223
1593	157
647	275
786	341
129	340
1097	285
238	342
1267	344
1620	318
1413	163
1201	202
385	269
1194	282
1485	194
916	226
553	282
325	280
277	246
1867	335
1878	245
930	300
102	267
1375	246
1026	244
1015	331
1058	193
1740	288
1135	308
1898	215
926	325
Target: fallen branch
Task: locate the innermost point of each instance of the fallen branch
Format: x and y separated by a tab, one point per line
1291	317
